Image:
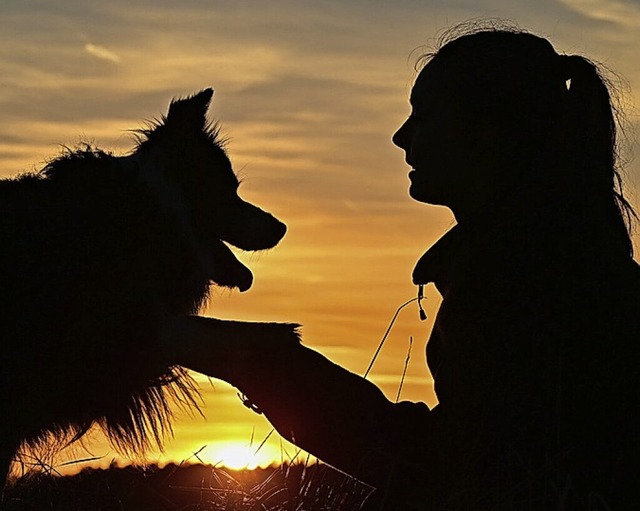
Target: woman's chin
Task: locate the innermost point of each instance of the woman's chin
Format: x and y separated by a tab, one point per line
420	191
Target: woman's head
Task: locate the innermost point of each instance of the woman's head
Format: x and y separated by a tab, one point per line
498	114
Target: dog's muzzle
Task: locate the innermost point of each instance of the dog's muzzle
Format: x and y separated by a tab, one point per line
253	230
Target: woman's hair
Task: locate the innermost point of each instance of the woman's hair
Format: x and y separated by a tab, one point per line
556	111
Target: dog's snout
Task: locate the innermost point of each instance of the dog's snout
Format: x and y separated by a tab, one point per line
280	229
254	229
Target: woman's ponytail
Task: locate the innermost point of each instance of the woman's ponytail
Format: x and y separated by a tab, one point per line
588	131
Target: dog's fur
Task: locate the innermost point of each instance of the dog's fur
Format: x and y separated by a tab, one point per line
96	251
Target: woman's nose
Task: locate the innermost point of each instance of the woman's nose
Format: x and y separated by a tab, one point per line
399	138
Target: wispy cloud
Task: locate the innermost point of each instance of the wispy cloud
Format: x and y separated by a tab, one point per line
623	14
102	53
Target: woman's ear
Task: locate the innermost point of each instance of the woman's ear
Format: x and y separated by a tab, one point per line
487	145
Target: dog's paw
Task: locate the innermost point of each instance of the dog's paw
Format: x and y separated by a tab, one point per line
283	334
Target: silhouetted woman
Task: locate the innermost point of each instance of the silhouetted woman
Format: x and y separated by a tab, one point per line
535	348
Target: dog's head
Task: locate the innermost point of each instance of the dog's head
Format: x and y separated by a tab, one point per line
197	177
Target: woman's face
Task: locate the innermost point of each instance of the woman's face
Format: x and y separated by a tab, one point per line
450	152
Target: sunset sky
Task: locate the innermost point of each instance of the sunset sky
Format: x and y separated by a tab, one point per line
309	93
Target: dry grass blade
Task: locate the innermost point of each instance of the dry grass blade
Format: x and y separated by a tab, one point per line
386	334
404	371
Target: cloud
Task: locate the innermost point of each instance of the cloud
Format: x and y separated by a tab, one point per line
102	53
620	13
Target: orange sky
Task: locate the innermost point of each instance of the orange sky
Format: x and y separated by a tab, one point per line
309	94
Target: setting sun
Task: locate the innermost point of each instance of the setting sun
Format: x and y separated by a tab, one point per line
239	456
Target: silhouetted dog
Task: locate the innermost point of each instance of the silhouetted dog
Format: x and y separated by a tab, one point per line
96	251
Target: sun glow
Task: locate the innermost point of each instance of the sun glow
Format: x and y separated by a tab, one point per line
238	456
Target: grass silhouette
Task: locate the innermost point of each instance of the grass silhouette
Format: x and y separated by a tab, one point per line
192	487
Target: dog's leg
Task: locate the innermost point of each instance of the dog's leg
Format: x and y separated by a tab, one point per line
213	346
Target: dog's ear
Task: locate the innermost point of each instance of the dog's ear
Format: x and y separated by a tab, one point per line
190	111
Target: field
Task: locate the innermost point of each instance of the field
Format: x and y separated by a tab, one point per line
185	487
